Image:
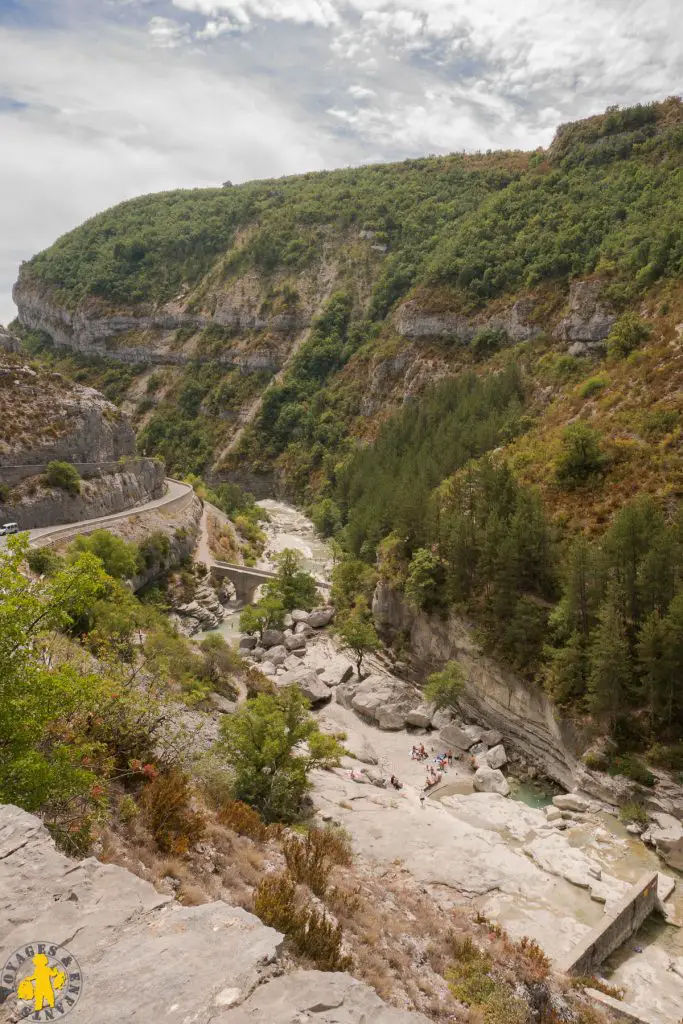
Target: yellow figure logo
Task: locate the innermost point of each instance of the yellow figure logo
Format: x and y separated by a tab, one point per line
45	978
41	985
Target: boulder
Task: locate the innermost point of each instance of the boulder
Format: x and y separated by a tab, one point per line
302	628
268	668
475	732
389	719
441	718
571	802
493	758
292	663
420	717
553	813
288	621
295	643
337	671
320	617
454	736
278	655
298	615
667	835
490	780
309	684
273	638
257	653
247	643
610	789
491	737
222	704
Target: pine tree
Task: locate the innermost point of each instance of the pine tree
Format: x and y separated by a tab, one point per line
611	673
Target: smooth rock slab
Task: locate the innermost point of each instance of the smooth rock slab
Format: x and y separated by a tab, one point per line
454	736
571	802
320	997
337	671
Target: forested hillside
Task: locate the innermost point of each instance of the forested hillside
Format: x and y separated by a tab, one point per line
468	367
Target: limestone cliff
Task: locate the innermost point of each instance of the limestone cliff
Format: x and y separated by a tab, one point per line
143	957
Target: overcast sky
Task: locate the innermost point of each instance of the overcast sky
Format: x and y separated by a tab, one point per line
101	100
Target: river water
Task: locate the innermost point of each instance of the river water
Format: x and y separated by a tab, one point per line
622	855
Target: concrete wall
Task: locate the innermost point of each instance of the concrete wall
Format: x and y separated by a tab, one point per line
618	924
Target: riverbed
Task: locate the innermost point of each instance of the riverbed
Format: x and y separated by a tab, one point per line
496	853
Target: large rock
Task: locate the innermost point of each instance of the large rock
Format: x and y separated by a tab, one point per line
491	737
320	617
589	316
571	802
390	719
611	789
278	655
454	736
420	717
309	683
493	758
667	835
273	638
142	954
303	629
337	671
298	615
294	643
490	780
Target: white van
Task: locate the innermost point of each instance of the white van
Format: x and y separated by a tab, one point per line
9	528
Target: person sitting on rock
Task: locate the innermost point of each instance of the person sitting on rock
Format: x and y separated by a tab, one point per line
395	783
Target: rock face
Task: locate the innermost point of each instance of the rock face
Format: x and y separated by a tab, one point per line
589	318
413	322
510	705
667	835
309	683
146	958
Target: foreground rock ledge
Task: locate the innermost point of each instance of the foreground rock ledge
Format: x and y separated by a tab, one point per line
146	958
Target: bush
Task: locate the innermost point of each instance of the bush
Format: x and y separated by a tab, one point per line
173	823
5	491
244	820
627	334
43	561
424	585
633	768
310	860
488	341
592	386
670	757
120	559
63	475
581	457
294	587
634	812
154	549
311	931
444	688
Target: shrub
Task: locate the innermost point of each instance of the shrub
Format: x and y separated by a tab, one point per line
63	475
294	587
592	386
154	549
633	768
43	561
244	820
581	457
269	613
634	812
424	585
120	559
173	823
488	341
310	860
471	982
312	932
667	756
627	334
5	492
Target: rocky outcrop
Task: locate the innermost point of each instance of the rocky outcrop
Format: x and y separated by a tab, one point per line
143	957
34	505
150	331
8	341
516	708
588	320
411	321
46	417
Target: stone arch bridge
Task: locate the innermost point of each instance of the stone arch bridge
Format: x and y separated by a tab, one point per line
246	579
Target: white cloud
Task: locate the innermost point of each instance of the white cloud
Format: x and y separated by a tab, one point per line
166	33
361	92
323	13
106	118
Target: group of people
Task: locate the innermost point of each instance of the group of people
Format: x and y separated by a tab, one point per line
419	753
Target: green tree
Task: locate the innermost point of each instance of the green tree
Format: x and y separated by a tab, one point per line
424	585
268	613
611	671
120	559
444	688
352	578
628	333
326	517
358	633
41	701
294	587
63	475
581	458
272	744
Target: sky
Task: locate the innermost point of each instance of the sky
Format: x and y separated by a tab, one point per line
102	100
